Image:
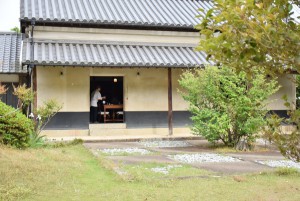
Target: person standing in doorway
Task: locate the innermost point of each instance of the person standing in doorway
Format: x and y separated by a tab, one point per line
95	97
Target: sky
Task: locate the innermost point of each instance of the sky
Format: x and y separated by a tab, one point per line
9	14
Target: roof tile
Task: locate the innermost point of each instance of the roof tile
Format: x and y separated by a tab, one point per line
10	49
75	53
161	13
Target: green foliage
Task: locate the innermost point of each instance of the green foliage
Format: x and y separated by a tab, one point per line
15	128
41	118
36	140
225	105
16	29
288	144
3	89
284	171
246	35
25	96
64	144
45	113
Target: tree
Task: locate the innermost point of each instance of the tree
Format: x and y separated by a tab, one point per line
250	34
15	29
226	105
257	34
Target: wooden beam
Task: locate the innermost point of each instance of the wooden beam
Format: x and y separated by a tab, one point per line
170	107
34	87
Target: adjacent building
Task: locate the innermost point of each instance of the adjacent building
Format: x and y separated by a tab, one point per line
11	70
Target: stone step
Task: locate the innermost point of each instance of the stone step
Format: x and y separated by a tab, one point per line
125	132
107	126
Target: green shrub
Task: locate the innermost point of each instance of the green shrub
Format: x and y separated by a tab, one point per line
227	105
15	128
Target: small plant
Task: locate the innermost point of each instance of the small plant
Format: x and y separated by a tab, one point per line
3	89
45	113
36	140
64	144
41	119
284	171
25	97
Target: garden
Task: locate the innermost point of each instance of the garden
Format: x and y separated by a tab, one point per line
228	102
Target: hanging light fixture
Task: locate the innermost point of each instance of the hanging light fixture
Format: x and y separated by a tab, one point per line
115	80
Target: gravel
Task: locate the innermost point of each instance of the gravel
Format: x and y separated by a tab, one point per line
261	141
165	143
280	163
165	170
202	158
116	151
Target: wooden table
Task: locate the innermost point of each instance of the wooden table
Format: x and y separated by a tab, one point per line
113	108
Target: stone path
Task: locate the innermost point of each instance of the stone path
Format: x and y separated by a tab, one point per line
246	161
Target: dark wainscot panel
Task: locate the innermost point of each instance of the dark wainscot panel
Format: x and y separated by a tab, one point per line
144	119
69	121
156	119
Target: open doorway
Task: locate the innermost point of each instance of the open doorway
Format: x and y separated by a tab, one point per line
110	110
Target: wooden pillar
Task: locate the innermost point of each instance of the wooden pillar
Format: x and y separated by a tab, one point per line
170	107
34	87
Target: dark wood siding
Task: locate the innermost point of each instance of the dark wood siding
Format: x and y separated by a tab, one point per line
9	98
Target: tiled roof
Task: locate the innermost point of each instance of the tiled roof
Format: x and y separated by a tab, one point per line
76	53
149	13
159	13
10	50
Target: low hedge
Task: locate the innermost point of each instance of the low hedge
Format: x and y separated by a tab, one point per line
15	127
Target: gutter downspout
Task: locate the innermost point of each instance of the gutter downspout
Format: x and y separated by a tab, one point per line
31	65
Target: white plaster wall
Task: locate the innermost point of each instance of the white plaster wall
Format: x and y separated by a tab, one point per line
9	78
288	87
178	103
147	91
71	89
120	35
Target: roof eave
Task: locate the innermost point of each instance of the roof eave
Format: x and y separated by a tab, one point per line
109	66
26	22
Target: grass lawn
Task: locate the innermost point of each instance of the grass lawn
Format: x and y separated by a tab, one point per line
73	173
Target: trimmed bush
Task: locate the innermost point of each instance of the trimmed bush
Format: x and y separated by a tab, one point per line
15	128
227	105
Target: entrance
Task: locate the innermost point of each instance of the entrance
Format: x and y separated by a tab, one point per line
109	110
